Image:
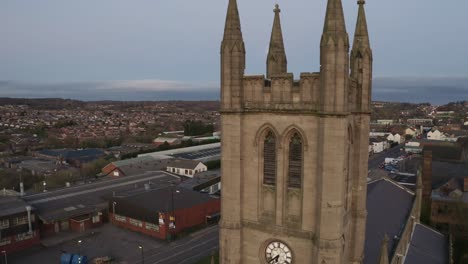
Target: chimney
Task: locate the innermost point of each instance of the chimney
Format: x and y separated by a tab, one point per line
427	177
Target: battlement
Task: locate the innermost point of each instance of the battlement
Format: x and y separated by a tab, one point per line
282	92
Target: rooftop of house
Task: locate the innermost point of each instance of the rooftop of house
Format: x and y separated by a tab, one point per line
427	246
444	171
445	152
453	190
183	164
388	206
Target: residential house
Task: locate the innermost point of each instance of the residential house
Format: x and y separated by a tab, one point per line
449	206
379	144
186	168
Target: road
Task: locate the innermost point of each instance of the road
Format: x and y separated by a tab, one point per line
96	187
187	250
377	159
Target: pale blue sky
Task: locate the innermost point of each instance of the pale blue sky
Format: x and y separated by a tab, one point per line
64	41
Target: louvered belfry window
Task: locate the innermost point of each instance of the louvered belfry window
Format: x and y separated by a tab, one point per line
269	159
295	162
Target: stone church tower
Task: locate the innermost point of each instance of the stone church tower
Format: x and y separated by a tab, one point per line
295	152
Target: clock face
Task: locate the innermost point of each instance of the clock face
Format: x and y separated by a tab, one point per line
278	253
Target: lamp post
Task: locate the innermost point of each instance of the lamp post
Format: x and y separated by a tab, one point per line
172	225
79	247
4	254
142	255
44	184
113	210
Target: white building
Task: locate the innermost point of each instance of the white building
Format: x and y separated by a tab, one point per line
410	131
186	167
395	138
436	135
379	144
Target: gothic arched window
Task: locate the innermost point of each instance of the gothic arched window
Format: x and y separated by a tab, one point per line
269	159
295	161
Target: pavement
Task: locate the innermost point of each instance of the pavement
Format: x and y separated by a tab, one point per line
187	250
123	246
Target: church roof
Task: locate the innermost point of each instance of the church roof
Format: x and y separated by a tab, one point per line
388	207
427	246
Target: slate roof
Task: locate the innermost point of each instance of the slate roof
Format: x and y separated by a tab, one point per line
388	206
427	246
406	180
445	152
447	191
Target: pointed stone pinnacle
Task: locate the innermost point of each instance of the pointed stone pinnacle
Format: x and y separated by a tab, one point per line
276	61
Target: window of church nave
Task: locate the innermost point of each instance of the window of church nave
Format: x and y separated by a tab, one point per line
269	159
295	161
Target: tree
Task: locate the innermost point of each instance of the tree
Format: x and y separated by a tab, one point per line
196	128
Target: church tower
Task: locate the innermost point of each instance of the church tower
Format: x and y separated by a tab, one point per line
294	152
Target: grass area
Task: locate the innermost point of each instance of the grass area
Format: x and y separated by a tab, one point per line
207	260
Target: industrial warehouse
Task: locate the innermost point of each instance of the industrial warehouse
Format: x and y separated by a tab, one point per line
163	213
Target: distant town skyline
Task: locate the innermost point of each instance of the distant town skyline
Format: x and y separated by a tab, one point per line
148	50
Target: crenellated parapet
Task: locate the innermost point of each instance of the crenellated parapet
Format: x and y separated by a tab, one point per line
281	92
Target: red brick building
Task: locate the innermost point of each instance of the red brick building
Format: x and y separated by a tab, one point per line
18	225
163	213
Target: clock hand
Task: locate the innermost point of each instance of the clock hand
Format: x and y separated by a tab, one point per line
275	259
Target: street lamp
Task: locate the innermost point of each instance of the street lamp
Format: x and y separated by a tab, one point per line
79	247
172	225
113	210
4	253
142	255
44	184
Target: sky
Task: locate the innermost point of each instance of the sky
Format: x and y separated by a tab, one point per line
134	50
